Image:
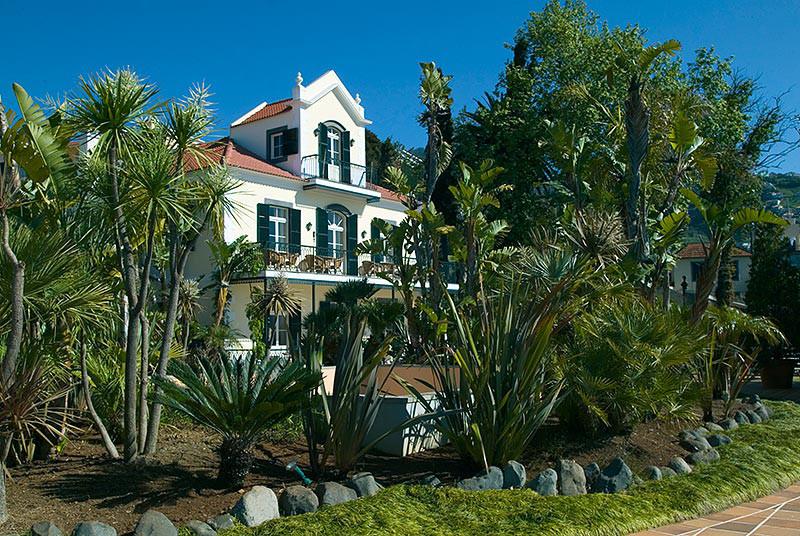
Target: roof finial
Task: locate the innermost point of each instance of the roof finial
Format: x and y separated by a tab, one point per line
299	78
358	98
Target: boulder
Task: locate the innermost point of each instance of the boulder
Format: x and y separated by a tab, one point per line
571	478
700	431
296	500
154	523
591	472
762	412
741	418
751	399
713	427
330	493
514	475
221	522
45	528
256	506
93	528
652	473
431	480
667	472
679	465
198	528
717	440
614	478
729	424
491	480
752	416
705	456
545	483
364	484
693	443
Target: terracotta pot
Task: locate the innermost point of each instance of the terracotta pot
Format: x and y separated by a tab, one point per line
778	374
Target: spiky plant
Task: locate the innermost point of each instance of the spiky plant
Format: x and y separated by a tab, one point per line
239	399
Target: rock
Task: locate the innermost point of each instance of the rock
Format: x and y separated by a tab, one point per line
431	480
614	478
751	399
222	521
154	523
705	456
693	443
652	473
713	427
491	480
45	528
729	424
296	500
571	479
761	411
768	410
545	483
330	493
667	472
256	506
364	484
637	481
93	528
514	475
591	472
753	416
679	465
741	418
700	431
198	528
717	440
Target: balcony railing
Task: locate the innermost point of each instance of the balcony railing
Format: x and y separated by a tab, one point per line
320	167
335	261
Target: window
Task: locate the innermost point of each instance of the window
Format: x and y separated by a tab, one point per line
334	146
336	227
278	228
735	265
280	336
696	266
276	146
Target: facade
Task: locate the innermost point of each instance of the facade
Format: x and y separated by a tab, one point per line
306	196
687	267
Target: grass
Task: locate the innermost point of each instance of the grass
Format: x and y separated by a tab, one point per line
762	459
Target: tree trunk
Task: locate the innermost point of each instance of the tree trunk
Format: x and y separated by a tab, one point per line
108	443
144	372
724	292
637	125
14	339
705	282
3	507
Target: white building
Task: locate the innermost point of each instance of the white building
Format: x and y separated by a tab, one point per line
687	268
306	196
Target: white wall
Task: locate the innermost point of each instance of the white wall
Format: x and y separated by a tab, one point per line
683	267
253	136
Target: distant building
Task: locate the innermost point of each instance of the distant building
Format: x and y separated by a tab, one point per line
687	269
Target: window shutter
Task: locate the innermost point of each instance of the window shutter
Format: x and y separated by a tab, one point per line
295	326
398	251
294	230
290	142
262	224
322	151
322	233
344	170
375	235
352	242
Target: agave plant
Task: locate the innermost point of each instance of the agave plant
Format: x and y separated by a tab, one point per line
240	400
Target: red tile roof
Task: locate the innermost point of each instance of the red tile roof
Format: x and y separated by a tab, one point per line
269	110
231	154
697	251
386	193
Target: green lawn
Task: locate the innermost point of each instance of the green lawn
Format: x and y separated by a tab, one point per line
763	458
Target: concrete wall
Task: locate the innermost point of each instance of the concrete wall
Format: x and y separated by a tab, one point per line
683	267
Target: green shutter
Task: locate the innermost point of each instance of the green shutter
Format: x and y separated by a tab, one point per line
398	250
295	327
262	224
290	141
322	150
294	230
344	169
375	235
352	242
322	233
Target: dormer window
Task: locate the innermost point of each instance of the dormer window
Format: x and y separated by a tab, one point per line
276	142
281	142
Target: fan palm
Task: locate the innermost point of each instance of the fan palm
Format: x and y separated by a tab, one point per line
240	400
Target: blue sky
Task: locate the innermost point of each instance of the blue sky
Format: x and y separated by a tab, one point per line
251	51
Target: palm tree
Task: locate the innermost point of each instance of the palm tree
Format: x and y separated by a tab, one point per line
188	305
238	256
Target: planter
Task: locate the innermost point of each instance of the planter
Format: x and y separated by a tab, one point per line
778	374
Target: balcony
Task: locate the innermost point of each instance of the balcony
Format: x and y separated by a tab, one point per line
344	177
333	264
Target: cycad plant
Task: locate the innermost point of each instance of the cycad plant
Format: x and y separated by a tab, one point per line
240	400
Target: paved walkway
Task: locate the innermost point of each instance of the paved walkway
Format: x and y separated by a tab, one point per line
776	515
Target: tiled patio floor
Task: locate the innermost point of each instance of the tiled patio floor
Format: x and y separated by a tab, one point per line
776	515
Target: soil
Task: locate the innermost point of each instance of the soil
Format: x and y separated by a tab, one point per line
82	484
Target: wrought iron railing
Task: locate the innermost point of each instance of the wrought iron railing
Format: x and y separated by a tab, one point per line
321	167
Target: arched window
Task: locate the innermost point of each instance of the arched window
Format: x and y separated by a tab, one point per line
336	233
334	145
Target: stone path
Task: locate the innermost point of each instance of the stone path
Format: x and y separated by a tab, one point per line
776	515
